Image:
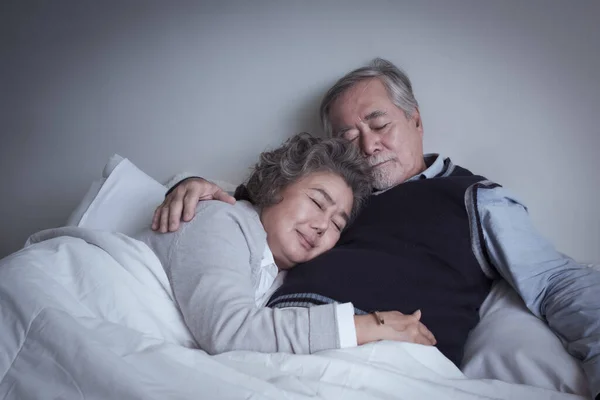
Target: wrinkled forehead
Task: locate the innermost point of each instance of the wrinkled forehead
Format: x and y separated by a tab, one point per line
359	101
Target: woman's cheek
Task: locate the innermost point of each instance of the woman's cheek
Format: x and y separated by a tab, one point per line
331	241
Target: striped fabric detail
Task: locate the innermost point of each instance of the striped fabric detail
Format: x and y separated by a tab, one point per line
477	238
304	300
448	169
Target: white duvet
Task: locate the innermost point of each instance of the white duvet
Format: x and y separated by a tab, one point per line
90	315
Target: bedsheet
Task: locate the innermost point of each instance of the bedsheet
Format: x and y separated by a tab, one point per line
90	314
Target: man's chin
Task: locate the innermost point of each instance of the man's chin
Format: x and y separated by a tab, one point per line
383	184
386	179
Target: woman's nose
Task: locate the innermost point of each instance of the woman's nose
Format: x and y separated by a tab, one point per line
320	225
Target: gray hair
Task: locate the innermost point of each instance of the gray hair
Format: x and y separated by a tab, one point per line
299	156
393	78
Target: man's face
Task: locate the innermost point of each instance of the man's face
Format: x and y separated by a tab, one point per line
393	143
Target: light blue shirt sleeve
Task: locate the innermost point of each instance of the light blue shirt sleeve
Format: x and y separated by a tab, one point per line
553	286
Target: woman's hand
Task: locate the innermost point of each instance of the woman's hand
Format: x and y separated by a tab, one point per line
397	326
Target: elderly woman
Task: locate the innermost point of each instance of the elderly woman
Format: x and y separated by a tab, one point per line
293	207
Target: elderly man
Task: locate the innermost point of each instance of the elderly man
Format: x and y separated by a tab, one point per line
432	237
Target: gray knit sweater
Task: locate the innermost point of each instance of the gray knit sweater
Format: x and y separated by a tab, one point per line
210	263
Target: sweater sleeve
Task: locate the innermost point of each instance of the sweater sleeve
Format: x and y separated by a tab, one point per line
553	286
209	266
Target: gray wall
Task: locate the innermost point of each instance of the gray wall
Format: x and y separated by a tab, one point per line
509	89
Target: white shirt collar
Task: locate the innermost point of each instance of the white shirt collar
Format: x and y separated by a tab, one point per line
435	165
267	278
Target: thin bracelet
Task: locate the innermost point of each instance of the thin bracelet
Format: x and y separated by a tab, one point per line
378	317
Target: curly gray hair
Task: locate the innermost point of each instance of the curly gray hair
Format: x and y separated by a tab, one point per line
393	78
299	156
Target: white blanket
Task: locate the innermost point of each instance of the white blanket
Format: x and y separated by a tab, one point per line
89	314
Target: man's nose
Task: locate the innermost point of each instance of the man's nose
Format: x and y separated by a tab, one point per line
369	142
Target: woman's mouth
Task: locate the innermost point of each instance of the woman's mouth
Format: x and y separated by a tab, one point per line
305	242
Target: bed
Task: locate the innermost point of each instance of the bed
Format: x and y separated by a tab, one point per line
86	312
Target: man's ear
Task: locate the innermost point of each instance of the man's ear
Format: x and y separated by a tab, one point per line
416	118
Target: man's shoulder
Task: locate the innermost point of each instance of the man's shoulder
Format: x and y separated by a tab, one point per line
457	171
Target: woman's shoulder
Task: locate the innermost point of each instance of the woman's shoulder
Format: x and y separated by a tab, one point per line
219	219
213	216
215	209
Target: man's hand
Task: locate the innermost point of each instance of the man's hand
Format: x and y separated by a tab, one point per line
397	326
182	201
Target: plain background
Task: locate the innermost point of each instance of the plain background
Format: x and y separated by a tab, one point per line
509	89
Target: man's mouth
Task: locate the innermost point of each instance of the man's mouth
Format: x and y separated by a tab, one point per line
379	160
381	163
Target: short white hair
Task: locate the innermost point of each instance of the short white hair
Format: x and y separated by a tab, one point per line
393	78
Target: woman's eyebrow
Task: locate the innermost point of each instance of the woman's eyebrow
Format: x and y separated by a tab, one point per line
330	201
325	194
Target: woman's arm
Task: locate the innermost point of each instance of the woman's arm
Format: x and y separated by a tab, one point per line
208	262
209	267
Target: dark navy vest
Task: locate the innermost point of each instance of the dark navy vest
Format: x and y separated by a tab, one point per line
410	248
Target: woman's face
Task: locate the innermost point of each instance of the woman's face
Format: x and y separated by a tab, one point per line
309	218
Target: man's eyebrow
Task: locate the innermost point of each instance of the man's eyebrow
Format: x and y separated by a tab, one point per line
375	114
341	131
371	115
330	201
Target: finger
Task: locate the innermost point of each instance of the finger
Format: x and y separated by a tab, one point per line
417	314
411	335
175	207
175	211
424	339
190	202
164	219
156	217
420	339
427	333
416	336
224	196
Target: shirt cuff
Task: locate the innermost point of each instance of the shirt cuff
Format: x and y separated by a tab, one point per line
177	180
345	325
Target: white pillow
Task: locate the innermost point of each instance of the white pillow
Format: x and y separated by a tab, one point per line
512	345
92	192
123	201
